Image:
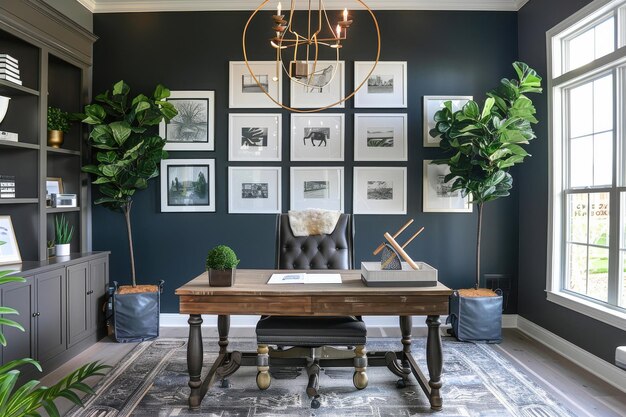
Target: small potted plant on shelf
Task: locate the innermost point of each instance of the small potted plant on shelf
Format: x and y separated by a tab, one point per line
221	262
51	251
58	124
63	235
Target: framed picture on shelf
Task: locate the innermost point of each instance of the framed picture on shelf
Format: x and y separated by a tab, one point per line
316	187
187	185
385	87
325	85
380	137
245	92
254	190
254	137
379	190
54	186
317	137
437	195
432	104
193	129
9	250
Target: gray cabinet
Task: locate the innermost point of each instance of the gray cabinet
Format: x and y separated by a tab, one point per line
50	314
78	309
20	296
98	283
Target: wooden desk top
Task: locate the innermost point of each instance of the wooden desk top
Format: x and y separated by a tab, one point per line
254	282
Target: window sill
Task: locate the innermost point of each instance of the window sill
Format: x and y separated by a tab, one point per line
588	308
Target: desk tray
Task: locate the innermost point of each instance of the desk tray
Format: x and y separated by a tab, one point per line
373	276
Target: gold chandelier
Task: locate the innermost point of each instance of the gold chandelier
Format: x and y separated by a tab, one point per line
303	46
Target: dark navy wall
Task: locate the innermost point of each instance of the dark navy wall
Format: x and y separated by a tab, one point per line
448	53
534	19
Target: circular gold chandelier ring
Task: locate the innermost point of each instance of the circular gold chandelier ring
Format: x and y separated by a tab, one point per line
343	100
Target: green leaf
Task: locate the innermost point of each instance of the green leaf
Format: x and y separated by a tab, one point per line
95	114
489	103
120	88
161	93
121	131
471	110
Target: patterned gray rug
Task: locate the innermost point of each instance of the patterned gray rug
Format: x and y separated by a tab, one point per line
152	382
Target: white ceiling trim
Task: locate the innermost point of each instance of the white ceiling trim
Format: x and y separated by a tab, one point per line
120	6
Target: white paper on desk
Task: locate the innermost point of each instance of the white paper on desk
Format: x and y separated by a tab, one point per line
294	278
322	279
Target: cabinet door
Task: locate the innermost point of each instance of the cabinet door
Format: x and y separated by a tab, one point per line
20	296
50	316
78	310
98	282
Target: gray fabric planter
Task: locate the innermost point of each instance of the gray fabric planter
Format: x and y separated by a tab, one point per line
476	319
136	316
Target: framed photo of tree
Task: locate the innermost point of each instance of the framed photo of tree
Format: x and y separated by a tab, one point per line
254	137
187	185
193	128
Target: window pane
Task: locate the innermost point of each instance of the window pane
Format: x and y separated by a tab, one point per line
598	279
577	215
603	159
576	278
603	104
622	239
581	110
581	162
599	219
605	38
622	275
581	50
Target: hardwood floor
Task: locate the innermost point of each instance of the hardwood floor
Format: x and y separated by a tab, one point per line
583	393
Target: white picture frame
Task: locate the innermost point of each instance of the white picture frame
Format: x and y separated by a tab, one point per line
432	104
380	190
255	137
254	190
303	97
317	137
180	180
380	137
193	129
437	198
386	87
243	91
316	188
9	251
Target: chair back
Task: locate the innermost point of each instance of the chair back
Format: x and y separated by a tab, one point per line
333	251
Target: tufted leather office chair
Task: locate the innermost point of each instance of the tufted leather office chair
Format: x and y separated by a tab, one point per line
311	336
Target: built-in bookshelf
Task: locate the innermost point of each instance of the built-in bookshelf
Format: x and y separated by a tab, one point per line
55	71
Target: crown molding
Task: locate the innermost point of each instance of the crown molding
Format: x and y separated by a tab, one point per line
125	6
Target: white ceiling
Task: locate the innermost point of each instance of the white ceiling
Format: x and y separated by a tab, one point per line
117	6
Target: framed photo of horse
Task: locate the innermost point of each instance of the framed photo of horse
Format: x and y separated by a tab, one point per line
254	137
317	137
324	85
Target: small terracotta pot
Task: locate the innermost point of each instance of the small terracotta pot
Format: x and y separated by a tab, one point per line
222	278
55	138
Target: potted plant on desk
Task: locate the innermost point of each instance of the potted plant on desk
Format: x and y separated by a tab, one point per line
221	262
62	236
128	154
481	146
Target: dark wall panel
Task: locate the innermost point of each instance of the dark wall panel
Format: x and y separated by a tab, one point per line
448	53
535	18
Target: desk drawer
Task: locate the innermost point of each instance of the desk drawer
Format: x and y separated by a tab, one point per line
256	305
381	305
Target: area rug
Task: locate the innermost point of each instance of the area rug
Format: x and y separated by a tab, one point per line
152	382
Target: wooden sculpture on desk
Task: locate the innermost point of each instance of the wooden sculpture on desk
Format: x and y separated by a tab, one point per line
392	251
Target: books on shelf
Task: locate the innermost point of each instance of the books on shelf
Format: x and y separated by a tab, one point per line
9	72
9	58
7	186
9	136
12	79
9	69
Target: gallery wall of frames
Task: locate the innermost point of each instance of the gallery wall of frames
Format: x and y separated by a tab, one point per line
236	159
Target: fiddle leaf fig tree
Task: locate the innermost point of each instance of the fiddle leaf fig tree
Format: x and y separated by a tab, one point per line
481	145
127	151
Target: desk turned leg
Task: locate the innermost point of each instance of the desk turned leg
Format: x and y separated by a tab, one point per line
194	359
223	327
406	323
434	359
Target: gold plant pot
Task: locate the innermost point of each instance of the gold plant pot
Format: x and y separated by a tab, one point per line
55	138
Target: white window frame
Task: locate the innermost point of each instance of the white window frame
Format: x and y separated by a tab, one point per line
558	82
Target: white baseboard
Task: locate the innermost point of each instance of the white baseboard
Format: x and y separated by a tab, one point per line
509	321
604	370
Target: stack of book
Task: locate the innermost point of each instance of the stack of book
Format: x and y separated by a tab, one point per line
9	69
7	186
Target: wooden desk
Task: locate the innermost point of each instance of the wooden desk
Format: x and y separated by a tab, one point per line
251	295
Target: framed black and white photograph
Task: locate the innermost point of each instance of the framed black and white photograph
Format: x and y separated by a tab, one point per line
317	137
316	188
438	197
380	190
254	190
246	92
380	137
386	87
188	185
325	85
432	104
54	186
254	137
193	128
9	250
